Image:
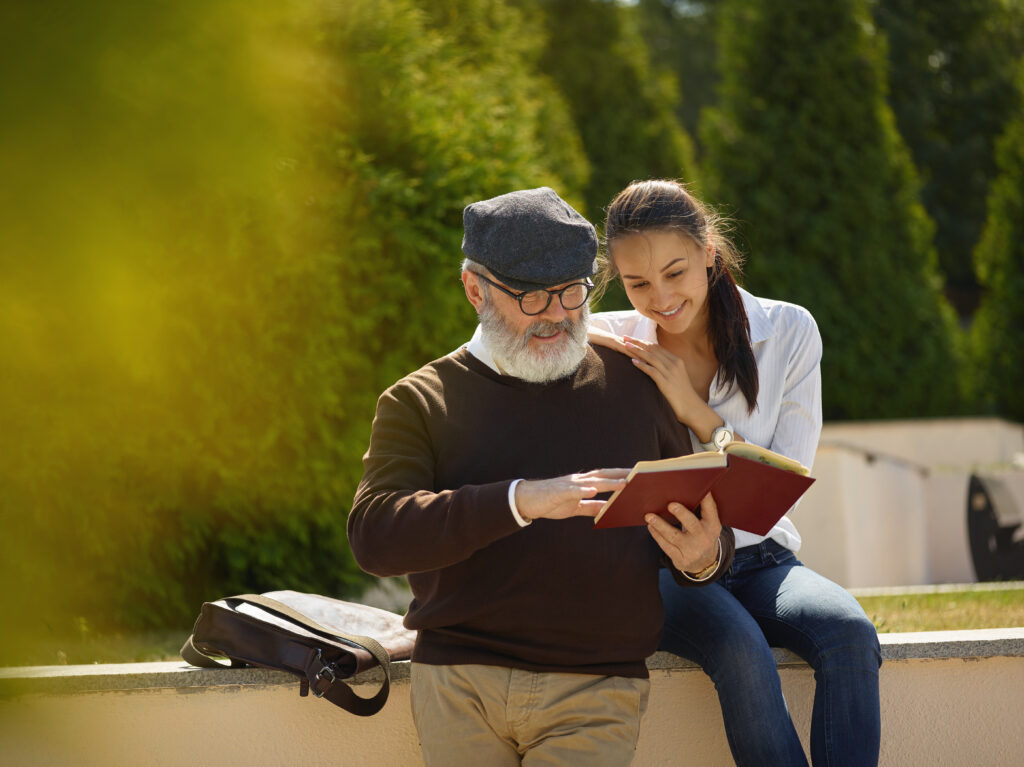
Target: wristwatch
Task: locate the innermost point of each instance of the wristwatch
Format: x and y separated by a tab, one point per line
720	437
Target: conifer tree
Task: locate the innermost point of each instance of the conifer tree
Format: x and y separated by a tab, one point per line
680	35
804	153
951	79
623	107
998	328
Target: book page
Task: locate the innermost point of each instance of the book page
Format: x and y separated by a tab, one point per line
692	461
764	455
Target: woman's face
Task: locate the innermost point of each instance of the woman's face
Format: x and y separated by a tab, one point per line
665	277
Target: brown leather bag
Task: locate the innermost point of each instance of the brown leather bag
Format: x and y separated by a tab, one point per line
321	640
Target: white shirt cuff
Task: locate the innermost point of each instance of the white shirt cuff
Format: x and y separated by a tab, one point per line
512	504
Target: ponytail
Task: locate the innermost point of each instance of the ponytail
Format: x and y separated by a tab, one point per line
730	333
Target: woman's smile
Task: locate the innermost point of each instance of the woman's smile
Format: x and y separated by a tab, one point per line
671	312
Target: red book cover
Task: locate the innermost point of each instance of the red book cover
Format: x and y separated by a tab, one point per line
751	495
650	492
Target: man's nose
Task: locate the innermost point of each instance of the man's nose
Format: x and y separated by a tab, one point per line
555	311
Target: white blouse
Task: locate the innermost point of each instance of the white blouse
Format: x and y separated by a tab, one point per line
787	418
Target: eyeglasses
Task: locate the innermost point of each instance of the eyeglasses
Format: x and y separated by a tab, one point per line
534	302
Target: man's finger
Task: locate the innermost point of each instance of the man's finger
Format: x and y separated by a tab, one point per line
687	518
667	537
668	531
612	474
709	511
604	486
582	492
589	508
656	525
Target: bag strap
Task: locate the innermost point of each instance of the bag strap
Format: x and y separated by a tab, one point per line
196	657
369	644
320	676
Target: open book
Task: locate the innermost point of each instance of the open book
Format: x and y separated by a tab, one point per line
752	486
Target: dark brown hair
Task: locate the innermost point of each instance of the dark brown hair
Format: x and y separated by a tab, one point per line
664	205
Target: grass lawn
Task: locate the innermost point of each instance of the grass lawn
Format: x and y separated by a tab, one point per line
930	608
983	606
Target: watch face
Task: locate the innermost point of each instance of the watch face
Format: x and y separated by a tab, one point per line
722	437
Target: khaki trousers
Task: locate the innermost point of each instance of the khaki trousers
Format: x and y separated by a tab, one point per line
477	715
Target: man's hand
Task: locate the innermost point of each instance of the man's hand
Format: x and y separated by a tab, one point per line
695	546
564	497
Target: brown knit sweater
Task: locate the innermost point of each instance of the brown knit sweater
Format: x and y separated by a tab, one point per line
556	595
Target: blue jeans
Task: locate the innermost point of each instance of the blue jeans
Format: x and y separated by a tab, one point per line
769	599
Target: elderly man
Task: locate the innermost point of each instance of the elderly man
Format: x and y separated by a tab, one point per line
480	485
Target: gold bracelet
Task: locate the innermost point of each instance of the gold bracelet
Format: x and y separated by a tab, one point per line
708	571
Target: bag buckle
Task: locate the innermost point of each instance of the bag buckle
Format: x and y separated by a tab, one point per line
323	678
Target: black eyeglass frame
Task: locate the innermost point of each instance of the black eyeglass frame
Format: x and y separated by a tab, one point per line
587	283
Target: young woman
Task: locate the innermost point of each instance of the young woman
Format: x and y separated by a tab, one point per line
734	366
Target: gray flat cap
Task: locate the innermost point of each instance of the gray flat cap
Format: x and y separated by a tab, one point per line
530	239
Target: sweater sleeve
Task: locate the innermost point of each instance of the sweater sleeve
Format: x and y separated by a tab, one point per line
400	523
728	539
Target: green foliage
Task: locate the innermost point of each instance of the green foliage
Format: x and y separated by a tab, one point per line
951	70
999	323
435	110
623	107
228	226
804	151
158	362
950	75
680	35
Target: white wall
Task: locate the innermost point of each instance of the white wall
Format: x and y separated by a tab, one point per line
863	522
890	504
948	699
935	443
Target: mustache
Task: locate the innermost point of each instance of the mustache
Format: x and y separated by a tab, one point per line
547	327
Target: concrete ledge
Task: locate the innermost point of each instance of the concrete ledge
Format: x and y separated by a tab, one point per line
948	699
126	677
966	645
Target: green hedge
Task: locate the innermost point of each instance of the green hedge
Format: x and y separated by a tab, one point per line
999	324
622	105
255	230
803	151
951	75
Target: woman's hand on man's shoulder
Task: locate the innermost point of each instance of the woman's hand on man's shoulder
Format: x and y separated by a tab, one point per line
605	338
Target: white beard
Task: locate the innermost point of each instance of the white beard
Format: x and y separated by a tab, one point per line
514	356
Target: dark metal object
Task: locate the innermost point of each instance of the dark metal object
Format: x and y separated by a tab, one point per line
995	515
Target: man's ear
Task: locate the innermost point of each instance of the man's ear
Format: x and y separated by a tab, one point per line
474	290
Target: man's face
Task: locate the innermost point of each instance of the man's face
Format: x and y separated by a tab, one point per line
537	348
